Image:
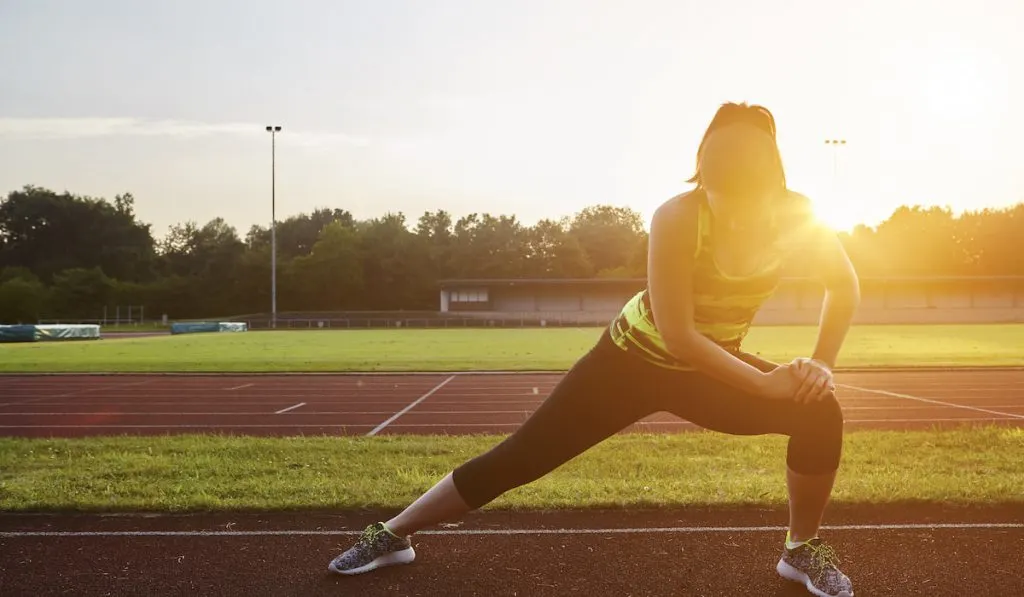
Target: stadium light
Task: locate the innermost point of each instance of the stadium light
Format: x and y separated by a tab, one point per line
835	155
273	130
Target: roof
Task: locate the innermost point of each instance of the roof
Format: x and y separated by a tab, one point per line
494	282
491	282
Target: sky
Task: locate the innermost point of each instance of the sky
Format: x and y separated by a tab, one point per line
535	108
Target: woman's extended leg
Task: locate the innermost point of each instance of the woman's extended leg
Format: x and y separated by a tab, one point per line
441	502
598	397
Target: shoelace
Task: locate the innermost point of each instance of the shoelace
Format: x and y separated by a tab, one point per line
824	556
370	535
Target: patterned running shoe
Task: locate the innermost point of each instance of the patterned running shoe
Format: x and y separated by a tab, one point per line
377	547
814	565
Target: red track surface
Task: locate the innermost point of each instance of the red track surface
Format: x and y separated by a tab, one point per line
939	554
435	403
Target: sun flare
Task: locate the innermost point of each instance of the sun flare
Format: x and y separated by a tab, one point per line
839	216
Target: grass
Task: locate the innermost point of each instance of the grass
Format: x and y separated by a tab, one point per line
481	349
209	472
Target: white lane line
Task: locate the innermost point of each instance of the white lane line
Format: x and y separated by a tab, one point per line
412	405
936	402
34	398
525	404
338	413
241	387
507	532
377	413
203	413
381	403
292	407
102	388
485	425
265	392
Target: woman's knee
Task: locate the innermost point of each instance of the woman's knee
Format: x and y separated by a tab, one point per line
827	415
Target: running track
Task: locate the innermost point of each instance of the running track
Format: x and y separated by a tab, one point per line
434	403
891	550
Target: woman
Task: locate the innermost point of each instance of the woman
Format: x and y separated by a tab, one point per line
715	256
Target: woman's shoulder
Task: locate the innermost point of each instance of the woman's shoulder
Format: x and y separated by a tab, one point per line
675	220
683	206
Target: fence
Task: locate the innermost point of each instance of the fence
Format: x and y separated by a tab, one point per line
113	315
797	302
397	320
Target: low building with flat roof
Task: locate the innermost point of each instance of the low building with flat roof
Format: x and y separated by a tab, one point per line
798	300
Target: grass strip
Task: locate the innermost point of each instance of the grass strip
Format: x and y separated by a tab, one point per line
211	472
485	349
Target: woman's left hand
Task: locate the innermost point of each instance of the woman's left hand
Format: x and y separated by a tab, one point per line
816	381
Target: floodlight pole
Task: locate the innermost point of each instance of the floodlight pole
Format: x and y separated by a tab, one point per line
836	144
273	130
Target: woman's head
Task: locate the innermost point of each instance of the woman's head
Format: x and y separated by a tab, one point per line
738	163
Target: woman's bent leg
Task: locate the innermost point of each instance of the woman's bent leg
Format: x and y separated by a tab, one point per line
815	433
808	496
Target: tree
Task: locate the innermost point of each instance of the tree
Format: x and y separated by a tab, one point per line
553	253
434	231
331	276
919	242
63	255
609	236
394	265
297	235
22	300
47	232
81	293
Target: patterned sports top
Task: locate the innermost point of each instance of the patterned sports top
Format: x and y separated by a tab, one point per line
724	306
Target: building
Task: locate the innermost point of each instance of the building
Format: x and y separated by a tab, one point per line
798	301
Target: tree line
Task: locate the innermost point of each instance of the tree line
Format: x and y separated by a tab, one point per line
67	256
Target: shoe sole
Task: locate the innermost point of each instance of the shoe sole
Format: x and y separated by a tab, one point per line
790	573
405	556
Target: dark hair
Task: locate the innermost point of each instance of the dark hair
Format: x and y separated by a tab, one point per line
750	162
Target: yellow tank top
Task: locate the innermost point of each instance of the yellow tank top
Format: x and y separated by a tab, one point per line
724	306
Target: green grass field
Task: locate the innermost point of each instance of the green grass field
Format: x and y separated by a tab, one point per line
486	349
204	472
181	473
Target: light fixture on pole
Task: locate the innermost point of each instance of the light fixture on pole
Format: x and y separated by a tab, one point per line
835	143
273	130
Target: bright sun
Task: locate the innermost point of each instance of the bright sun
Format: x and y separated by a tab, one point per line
840	216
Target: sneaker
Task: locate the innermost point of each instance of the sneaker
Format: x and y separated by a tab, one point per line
813	564
377	547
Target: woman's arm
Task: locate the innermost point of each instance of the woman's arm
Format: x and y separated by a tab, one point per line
842	297
823	256
820	251
670	282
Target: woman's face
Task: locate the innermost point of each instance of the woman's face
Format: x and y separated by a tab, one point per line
741	173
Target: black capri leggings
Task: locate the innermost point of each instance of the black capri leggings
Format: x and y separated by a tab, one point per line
608	390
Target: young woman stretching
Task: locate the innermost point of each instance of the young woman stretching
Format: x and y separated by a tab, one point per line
714	258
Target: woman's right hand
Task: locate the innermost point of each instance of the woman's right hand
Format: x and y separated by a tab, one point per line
783	383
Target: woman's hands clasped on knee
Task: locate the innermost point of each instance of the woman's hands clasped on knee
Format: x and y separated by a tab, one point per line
803	380
815	378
